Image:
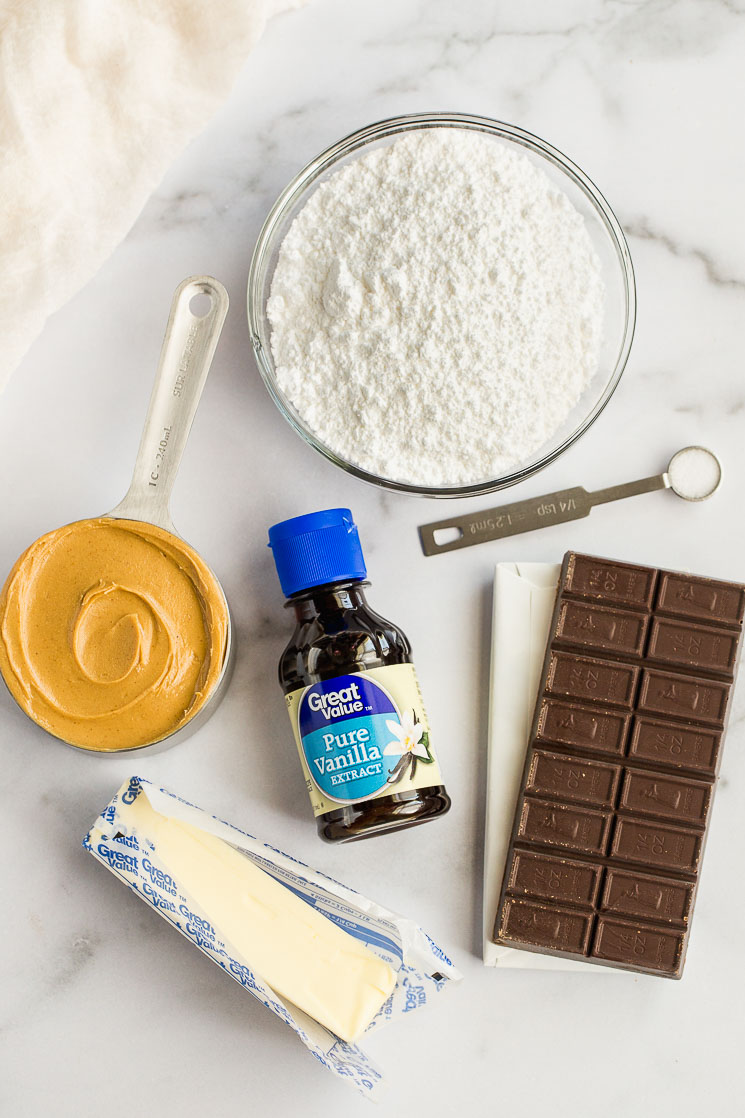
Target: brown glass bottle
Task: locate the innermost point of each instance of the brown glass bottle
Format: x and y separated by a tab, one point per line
338	635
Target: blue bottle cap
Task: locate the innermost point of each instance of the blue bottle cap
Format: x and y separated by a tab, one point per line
315	549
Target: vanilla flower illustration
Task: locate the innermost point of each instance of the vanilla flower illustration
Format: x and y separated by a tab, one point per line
408	735
411	745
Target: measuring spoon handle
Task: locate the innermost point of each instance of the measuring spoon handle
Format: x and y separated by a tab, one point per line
505	520
629	489
185	359
526	516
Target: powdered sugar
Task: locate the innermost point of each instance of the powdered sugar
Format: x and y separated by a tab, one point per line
436	309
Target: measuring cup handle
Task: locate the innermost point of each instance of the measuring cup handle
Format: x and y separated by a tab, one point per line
185	359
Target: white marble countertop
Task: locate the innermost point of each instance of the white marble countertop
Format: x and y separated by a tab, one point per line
104	1009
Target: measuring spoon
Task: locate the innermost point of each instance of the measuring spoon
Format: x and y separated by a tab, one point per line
693	473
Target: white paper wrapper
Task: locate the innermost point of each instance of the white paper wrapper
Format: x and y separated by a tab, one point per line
524	595
422	968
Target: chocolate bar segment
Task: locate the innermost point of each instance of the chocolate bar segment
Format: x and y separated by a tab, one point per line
558	879
549	823
608	582
656	844
629	893
596	627
668	797
625	745
680	747
690	699
693	646
723	603
566	778
591	680
638	946
542	925
600	731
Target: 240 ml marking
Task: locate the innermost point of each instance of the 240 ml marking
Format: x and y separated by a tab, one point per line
160	455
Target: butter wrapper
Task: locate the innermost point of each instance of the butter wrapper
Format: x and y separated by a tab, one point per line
120	841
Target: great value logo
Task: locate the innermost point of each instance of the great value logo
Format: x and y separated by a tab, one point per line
197	925
157	900
163	880
117	859
415	996
243	974
336	704
132	791
345	698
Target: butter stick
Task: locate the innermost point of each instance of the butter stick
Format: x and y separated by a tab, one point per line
301	954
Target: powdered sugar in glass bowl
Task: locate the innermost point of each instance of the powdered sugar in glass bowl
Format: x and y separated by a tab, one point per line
518	405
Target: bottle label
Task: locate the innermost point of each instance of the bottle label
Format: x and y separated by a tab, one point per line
363	735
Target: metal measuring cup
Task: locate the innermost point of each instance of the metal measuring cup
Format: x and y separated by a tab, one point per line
185	358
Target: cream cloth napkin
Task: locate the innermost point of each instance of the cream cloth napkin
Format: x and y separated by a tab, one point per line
97	98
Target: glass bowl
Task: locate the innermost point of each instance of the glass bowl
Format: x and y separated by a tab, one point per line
603	228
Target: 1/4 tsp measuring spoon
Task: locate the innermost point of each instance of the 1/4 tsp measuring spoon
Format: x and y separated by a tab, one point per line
693	473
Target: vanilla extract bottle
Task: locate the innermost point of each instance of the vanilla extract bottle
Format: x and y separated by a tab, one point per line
351	689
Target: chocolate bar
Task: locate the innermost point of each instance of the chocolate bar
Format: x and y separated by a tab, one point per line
625	746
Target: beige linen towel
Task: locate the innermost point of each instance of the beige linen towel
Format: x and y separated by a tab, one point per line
97	97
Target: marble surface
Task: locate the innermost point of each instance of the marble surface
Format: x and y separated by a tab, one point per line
104	1009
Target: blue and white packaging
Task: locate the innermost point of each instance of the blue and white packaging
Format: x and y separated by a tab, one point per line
117	840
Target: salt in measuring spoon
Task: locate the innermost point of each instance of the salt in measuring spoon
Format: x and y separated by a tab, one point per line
693	473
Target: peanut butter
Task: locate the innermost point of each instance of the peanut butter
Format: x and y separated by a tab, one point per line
113	633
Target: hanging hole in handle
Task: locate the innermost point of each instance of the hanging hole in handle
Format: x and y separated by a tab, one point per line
200	305
442	536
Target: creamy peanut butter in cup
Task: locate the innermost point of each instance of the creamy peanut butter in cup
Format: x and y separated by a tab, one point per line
113	633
